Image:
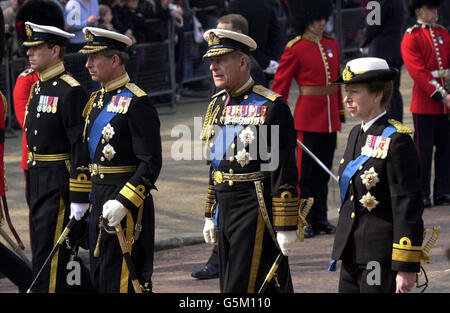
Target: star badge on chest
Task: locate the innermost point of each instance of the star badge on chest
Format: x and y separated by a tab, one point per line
369	202
370	178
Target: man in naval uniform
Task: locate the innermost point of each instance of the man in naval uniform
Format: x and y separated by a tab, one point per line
122	130
253	177
312	59
426	53
380	219
58	185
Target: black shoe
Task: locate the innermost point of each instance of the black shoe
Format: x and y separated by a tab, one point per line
308	233
325	227
209	271
442	200
427	202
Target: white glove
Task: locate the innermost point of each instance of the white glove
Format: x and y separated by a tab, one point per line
286	239
77	210
272	68
209	231
114	212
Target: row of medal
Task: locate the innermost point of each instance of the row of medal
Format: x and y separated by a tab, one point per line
119	104
244	115
376	147
47	104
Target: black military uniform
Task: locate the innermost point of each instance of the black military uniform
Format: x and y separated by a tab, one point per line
53	126
252	181
122	131
383	41
380	218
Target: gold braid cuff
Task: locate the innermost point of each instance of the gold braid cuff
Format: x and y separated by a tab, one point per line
285	210
210	202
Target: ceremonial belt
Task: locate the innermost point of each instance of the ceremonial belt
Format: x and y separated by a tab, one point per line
440	73
353	166
221	177
96	169
318	90
47	157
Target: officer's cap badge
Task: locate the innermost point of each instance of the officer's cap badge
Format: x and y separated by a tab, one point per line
347	74
28	30
213	40
88	36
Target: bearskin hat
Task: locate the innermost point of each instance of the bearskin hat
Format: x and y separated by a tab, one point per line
412	5
301	13
42	12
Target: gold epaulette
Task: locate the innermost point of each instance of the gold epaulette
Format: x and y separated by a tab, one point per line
88	107
266	93
70	80
218	94
294	41
138	92
402	129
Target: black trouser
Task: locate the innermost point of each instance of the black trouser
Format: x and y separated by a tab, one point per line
246	249
49	214
433	131
15	269
109	272
356	278
313	178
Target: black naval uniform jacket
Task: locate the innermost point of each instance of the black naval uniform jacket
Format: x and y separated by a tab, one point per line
53	127
391	232
246	249
126	159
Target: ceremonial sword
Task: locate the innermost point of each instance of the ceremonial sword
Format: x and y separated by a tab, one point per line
125	252
60	240
317	160
304	208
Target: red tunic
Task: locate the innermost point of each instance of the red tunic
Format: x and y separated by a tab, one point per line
426	54
3	105
311	63
21	94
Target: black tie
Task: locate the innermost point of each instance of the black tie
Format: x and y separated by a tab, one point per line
359	143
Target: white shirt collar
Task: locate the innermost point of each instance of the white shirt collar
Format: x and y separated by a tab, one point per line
366	126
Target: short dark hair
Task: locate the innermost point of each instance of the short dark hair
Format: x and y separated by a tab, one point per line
123	56
237	21
386	87
62	49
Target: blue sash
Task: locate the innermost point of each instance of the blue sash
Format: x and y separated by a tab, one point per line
101	121
228	133
226	137
352	166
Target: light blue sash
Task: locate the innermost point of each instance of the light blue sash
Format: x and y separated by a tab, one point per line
101	121
352	166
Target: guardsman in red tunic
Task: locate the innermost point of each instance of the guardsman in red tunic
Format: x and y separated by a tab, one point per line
426	53
312	59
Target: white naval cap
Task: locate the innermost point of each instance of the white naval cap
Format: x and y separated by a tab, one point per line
222	41
367	69
98	39
39	34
